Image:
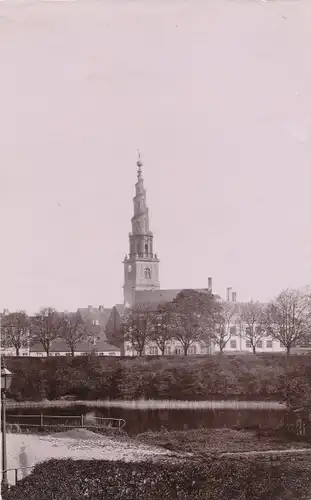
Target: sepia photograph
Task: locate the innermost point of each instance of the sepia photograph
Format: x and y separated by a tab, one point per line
155	249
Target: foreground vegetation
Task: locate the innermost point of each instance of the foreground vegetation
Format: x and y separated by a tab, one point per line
281	477
248	377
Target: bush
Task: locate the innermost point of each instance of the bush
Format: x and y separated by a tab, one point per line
280	478
193	377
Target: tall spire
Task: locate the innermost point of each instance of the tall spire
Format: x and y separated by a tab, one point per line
139	164
141	265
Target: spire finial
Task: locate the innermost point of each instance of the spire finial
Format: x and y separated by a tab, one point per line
139	164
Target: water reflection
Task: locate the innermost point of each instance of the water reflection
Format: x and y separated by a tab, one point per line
143	420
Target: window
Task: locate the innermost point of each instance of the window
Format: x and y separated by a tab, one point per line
146	248
259	344
247	331
233	344
233	331
25	354
248	344
57	354
269	344
178	350
167	350
153	351
192	349
147	273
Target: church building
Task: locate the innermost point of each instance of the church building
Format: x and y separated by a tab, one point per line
142	288
141	273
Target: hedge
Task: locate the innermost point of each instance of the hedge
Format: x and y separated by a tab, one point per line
263	377
255	478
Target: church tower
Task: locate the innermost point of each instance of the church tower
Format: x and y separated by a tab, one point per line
141	265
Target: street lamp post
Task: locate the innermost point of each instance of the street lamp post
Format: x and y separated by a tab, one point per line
6	379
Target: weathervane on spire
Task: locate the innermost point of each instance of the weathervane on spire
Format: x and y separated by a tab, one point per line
139	164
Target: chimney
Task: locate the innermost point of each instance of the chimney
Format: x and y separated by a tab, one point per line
229	291
90	308
210	284
233	296
101	308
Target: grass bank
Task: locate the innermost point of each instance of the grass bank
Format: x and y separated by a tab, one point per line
204	442
247	377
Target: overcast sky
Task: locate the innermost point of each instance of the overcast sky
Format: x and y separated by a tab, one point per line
217	96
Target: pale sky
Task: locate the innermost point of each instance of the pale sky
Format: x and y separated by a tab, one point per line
217	96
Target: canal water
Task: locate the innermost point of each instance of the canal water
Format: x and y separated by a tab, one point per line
142	420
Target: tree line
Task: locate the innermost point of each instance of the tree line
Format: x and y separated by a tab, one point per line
192	317
196	316
18	330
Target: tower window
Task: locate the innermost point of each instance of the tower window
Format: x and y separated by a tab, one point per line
146	248
147	273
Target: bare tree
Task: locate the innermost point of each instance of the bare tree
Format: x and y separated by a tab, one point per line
193	315
15	331
74	330
222	332
46	326
136	327
288	318
252	320
161	328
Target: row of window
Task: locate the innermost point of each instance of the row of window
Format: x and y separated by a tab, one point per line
69	354
169	350
248	345
233	331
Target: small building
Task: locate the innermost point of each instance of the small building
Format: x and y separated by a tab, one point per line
85	348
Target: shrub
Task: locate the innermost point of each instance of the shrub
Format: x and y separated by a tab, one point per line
280	478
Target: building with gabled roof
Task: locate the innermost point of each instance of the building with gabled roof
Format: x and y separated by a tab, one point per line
96	319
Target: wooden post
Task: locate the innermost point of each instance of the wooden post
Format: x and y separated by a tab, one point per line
81	420
41	420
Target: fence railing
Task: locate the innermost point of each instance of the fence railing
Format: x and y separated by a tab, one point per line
24	472
75	421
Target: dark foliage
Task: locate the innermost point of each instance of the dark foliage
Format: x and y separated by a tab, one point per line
257	478
261	377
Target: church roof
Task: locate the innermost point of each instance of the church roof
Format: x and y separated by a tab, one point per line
157	297
154	297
